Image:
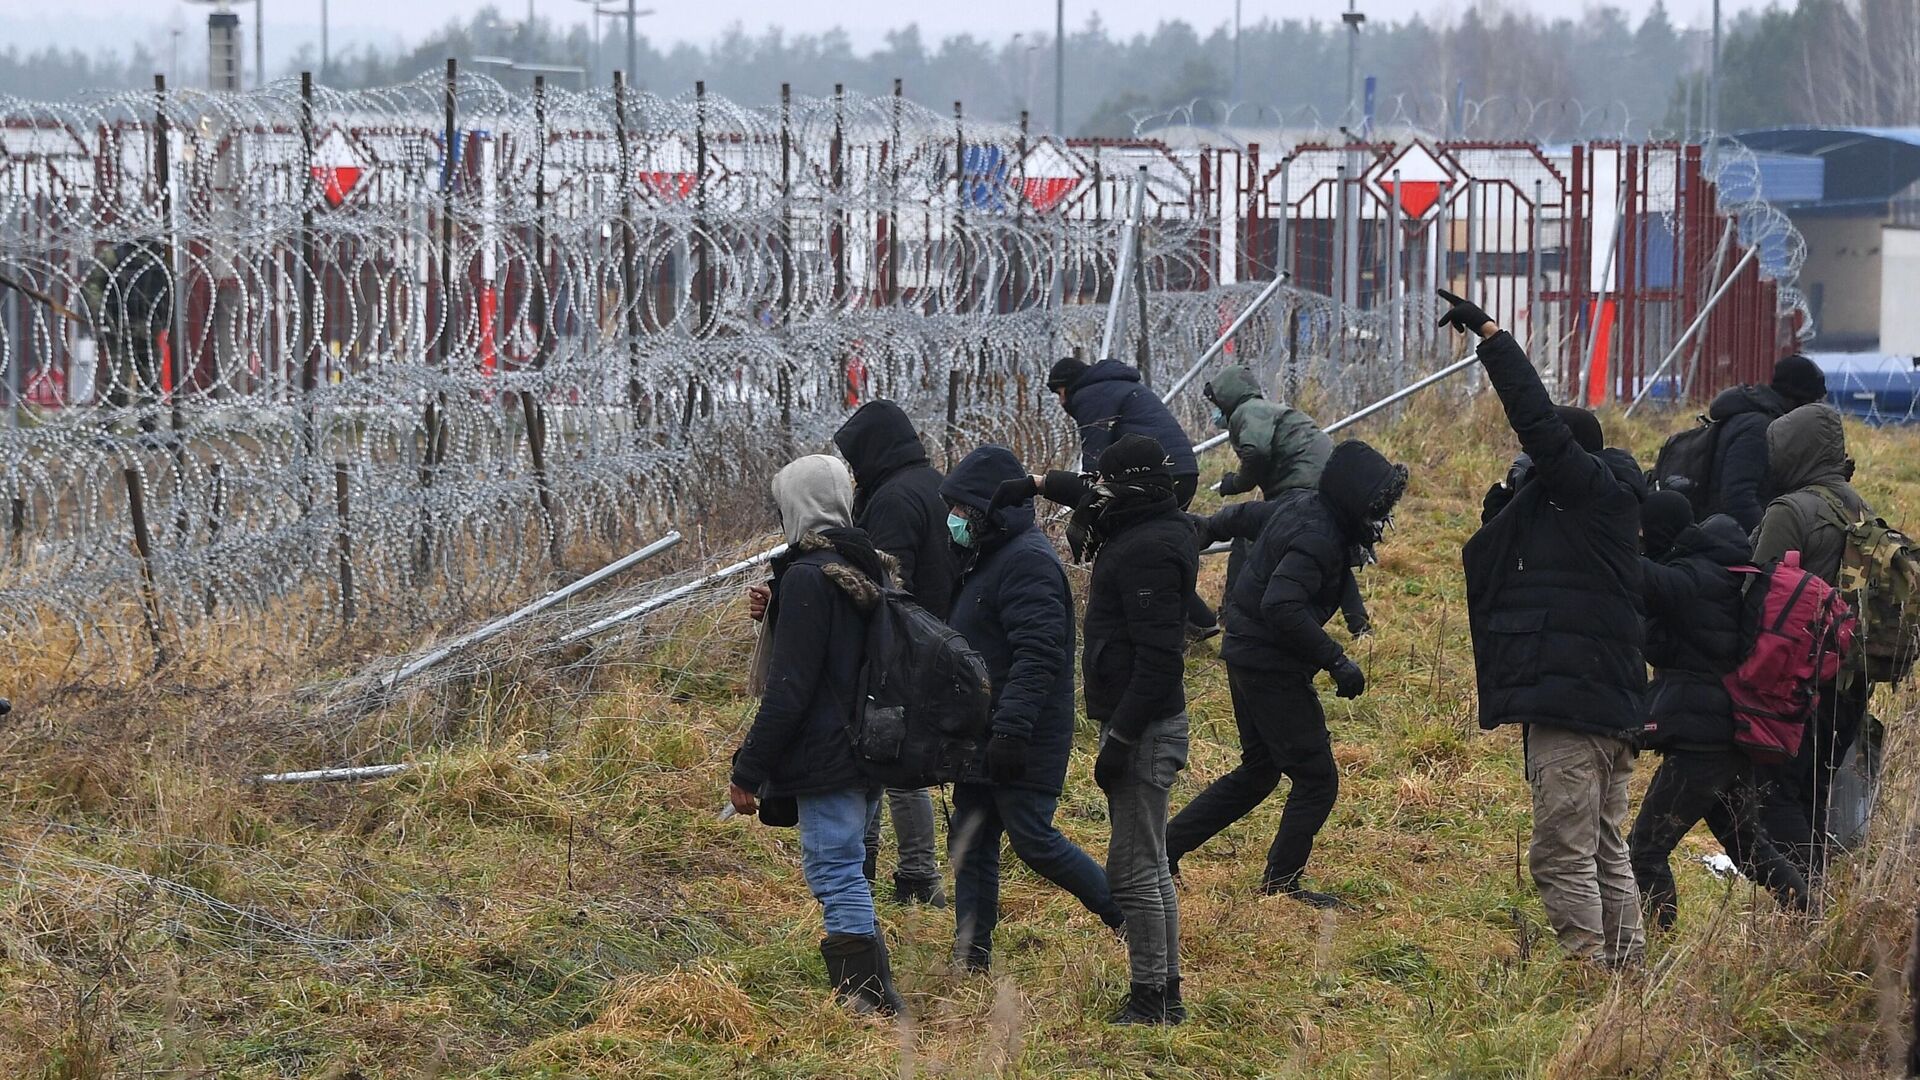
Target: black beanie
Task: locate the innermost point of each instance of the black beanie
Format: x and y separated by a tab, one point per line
1065	373
1799	380
1664	516
1133	458
1585	425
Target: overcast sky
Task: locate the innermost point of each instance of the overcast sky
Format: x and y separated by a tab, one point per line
91	25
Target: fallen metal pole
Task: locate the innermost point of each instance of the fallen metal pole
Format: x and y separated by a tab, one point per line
1693	328
355	772
501	624
1123	274
1213	350
1398	395
671	595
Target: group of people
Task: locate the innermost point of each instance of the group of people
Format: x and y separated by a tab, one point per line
1577	579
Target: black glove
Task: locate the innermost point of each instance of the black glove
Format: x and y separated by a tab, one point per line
1230	484
1111	766
1202	528
1013	492
1007	759
1348	680
1359	626
1463	315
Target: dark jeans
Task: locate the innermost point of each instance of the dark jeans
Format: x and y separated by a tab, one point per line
1199	615
982	813
1794	795
913	828
1283	732
1137	853
1715	786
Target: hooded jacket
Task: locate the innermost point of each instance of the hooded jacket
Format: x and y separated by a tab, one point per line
1299	568
1280	448
814	637
1694	607
1739	485
1134	665
1554	576
897	500
1014	607
1807	461
1109	401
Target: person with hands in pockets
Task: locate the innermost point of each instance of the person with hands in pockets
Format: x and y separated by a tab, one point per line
1014	607
1145	558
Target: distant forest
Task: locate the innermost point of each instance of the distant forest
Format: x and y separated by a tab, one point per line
1819	61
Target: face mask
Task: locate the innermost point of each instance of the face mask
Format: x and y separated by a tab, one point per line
1219	418
960	529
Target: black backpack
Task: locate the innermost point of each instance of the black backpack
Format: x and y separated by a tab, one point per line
925	698
1685	464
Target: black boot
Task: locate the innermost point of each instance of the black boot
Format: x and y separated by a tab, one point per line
973	959
895	1004
870	866
1146	1004
918	890
1290	887
1176	1009
857	968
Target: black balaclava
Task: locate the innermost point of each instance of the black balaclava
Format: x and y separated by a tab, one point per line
1585	425
1663	517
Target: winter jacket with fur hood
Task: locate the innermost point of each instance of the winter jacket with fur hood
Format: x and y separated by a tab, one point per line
1807	458
813	640
1693	635
1554	577
1280	448
1014	607
1300	565
1109	401
897	500
1739	485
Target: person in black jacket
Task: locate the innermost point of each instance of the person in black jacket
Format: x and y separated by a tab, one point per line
1694	639
1108	402
797	755
1145	559
1739	487
1015	609
1553	604
1306	543
896	500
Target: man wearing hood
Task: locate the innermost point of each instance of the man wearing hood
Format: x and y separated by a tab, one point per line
896	500
1144	562
1553	603
1695	602
1306	544
1108	402
796	764
1808	464
1014	607
1740	485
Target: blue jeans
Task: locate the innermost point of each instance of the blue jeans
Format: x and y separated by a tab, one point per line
833	843
982	814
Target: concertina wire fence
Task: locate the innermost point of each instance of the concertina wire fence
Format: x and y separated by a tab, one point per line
276	351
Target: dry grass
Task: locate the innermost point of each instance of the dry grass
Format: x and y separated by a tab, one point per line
551	894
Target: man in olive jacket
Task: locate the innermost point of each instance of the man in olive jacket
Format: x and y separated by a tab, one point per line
1553	603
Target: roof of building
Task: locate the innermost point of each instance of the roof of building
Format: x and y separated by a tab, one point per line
1866	167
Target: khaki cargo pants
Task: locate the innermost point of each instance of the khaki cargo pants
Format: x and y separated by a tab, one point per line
1579	852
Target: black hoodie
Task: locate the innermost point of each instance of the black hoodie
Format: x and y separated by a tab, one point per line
1739	487
1299	568
1693	635
896	500
1553	578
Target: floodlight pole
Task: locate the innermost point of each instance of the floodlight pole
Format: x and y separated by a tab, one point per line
1060	68
1354	21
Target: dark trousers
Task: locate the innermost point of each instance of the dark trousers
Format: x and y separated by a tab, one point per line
982	813
1199	615
1794	795
1283	732
1715	786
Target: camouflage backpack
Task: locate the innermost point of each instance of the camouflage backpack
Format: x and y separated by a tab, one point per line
1880	578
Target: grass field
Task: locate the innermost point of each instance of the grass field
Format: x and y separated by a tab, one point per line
584	913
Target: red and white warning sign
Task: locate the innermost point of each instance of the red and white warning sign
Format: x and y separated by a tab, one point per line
1048	176
337	166
669	170
1424	176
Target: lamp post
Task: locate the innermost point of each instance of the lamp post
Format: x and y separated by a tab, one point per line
1060	68
632	15
259	49
1354	21
323	40
1235	96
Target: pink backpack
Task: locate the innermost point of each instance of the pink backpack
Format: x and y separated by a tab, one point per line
1798	630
